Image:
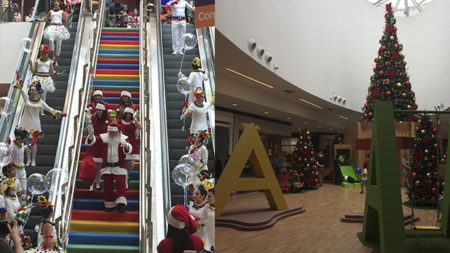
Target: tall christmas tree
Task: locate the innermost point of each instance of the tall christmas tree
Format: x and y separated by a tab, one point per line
304	162
390	82
424	185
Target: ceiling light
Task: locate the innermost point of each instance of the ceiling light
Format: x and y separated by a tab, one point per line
266	112
319	126
234	104
268	58
306	101
249	78
251	44
306	122
331	129
342	117
289	118
260	50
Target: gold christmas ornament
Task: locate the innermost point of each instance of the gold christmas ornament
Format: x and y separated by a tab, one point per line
426	151
400	53
429	174
409	107
419	121
399	84
417	183
379	57
392	38
307	132
305	147
423	131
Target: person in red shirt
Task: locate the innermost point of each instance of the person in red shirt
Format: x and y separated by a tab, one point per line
100	122
180	232
129	124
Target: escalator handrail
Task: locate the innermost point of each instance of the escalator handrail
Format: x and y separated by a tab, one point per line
206	52
145	204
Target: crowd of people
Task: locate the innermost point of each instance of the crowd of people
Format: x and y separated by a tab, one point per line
119	15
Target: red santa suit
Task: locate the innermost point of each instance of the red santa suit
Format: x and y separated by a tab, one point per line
129	129
114	165
96	150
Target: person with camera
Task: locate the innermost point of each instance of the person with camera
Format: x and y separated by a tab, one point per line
11	229
117	14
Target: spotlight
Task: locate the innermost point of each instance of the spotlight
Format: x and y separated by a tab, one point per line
268	58
251	44
260	50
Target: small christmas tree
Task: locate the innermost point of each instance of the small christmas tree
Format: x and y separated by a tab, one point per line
304	162
390	82
424	185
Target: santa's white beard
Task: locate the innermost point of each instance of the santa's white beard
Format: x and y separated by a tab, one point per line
114	139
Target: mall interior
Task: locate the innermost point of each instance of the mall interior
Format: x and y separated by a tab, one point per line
328	131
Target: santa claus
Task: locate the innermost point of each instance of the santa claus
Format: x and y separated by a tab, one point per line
115	147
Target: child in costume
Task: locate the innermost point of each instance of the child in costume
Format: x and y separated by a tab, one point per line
198	110
196	78
198	207
9	171
199	151
210	217
15	210
17	150
100	122
30	120
97	97
42	69
56	30
125	101
180	232
48	241
129	124
115	147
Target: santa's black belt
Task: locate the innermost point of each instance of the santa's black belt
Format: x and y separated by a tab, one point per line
115	164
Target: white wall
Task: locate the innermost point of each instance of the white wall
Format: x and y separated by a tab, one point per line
11	35
328	46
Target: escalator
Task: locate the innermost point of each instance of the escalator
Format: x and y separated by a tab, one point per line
174	103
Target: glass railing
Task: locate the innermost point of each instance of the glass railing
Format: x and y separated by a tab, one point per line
206	38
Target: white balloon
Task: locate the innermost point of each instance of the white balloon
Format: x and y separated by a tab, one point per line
54	180
5	157
187	159
183	86
189	41
183	174
24	44
36	184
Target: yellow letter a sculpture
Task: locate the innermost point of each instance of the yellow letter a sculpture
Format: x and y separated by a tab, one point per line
250	147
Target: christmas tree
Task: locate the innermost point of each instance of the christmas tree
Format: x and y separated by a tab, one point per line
424	185
304	162
390	82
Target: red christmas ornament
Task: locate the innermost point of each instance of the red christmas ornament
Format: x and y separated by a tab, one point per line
309	138
404	62
315	180
381	72
388	93
388	63
433	190
417	129
404	95
433	157
374	69
301	174
383	48
408	83
312	152
414	175
395	29
370	114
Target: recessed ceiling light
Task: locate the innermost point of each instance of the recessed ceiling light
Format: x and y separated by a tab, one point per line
342	117
319	126
249	78
266	112
234	104
289	118
306	101
306	122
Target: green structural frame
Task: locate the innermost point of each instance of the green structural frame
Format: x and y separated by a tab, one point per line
383	214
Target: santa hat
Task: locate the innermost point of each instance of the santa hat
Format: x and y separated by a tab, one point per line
128	110
97	92
113	126
198	93
125	93
180	218
44	48
100	106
